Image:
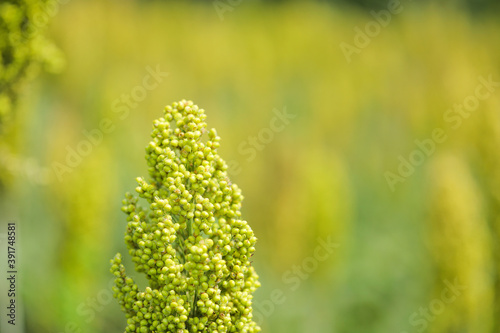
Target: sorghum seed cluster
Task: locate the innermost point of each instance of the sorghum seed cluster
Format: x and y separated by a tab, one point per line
191	243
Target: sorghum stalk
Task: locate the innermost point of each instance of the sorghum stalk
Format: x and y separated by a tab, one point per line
461	250
191	243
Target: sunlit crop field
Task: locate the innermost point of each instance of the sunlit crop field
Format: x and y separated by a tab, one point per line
370	178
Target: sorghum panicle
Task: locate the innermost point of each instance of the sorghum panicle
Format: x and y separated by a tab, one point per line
190	242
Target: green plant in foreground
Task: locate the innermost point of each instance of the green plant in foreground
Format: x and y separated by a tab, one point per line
191	242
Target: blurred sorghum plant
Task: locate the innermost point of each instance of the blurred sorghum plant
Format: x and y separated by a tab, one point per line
460	248
191	242
23	48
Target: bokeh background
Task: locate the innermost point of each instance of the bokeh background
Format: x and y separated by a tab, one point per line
322	177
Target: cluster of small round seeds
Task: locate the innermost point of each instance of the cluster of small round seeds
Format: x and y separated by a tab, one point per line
190	243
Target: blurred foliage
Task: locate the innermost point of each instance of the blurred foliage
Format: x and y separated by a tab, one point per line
23	48
321	176
461	248
475	6
24	52
487	159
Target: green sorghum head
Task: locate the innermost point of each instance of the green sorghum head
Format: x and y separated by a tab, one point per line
191	243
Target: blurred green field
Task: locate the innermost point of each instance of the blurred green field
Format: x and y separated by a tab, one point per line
322	176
